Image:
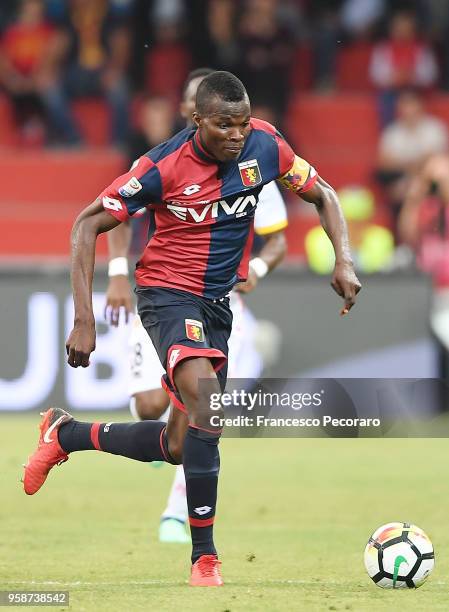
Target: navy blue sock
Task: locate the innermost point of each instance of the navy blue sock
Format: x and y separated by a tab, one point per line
144	441
73	436
201	461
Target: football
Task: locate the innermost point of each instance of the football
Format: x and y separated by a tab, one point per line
399	555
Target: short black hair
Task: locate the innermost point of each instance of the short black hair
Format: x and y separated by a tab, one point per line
221	84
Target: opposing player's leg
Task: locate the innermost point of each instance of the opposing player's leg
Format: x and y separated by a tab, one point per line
149	405
148	401
172	528
244	361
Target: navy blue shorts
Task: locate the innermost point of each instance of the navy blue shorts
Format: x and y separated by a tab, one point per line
182	325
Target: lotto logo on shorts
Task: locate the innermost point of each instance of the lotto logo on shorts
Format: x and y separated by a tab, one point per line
194	330
173	358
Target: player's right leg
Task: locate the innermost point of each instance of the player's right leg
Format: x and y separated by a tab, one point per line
61	435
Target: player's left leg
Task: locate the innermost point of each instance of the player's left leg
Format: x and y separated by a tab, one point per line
201	457
201	462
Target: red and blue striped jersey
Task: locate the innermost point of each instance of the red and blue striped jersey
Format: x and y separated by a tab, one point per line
202	210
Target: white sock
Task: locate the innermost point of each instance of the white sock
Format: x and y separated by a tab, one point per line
177	500
132	408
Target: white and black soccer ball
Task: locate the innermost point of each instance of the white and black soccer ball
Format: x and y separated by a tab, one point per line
399	555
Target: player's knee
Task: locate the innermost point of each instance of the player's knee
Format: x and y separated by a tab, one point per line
175	443
187	377
151	405
189	373
175	448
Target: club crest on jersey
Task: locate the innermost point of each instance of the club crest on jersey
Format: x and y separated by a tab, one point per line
250	173
194	330
130	188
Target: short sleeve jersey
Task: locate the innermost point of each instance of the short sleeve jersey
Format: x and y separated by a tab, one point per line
202	211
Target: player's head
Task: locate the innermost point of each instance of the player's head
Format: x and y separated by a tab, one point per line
193	80
222	115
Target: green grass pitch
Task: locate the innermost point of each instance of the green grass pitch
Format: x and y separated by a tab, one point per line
292	523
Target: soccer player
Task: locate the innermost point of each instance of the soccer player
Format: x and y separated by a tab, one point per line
148	399
202	188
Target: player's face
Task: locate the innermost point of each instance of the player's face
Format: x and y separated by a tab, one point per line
225	128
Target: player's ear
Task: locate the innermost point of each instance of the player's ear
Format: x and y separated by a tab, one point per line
196	119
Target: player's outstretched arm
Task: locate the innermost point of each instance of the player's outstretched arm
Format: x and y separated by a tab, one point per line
91	222
344	279
119	291
304	181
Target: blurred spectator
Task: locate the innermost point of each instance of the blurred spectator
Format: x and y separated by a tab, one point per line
406	144
265	54
99	54
168	11
325	29
31	53
358	17
168	61
212	35
402	60
221	22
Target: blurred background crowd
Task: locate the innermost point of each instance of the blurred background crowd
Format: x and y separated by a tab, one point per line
357	86
360	88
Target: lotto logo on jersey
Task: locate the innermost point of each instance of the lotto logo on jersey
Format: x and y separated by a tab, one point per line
194	330
130	188
250	173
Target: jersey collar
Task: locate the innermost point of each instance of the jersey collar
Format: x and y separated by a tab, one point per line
200	150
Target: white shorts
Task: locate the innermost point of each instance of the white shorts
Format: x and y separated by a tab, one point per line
145	369
244	361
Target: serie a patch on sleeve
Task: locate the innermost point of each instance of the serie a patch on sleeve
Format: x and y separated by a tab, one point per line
130	188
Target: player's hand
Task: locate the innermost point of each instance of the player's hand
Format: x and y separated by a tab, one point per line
80	344
346	284
118	297
250	284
